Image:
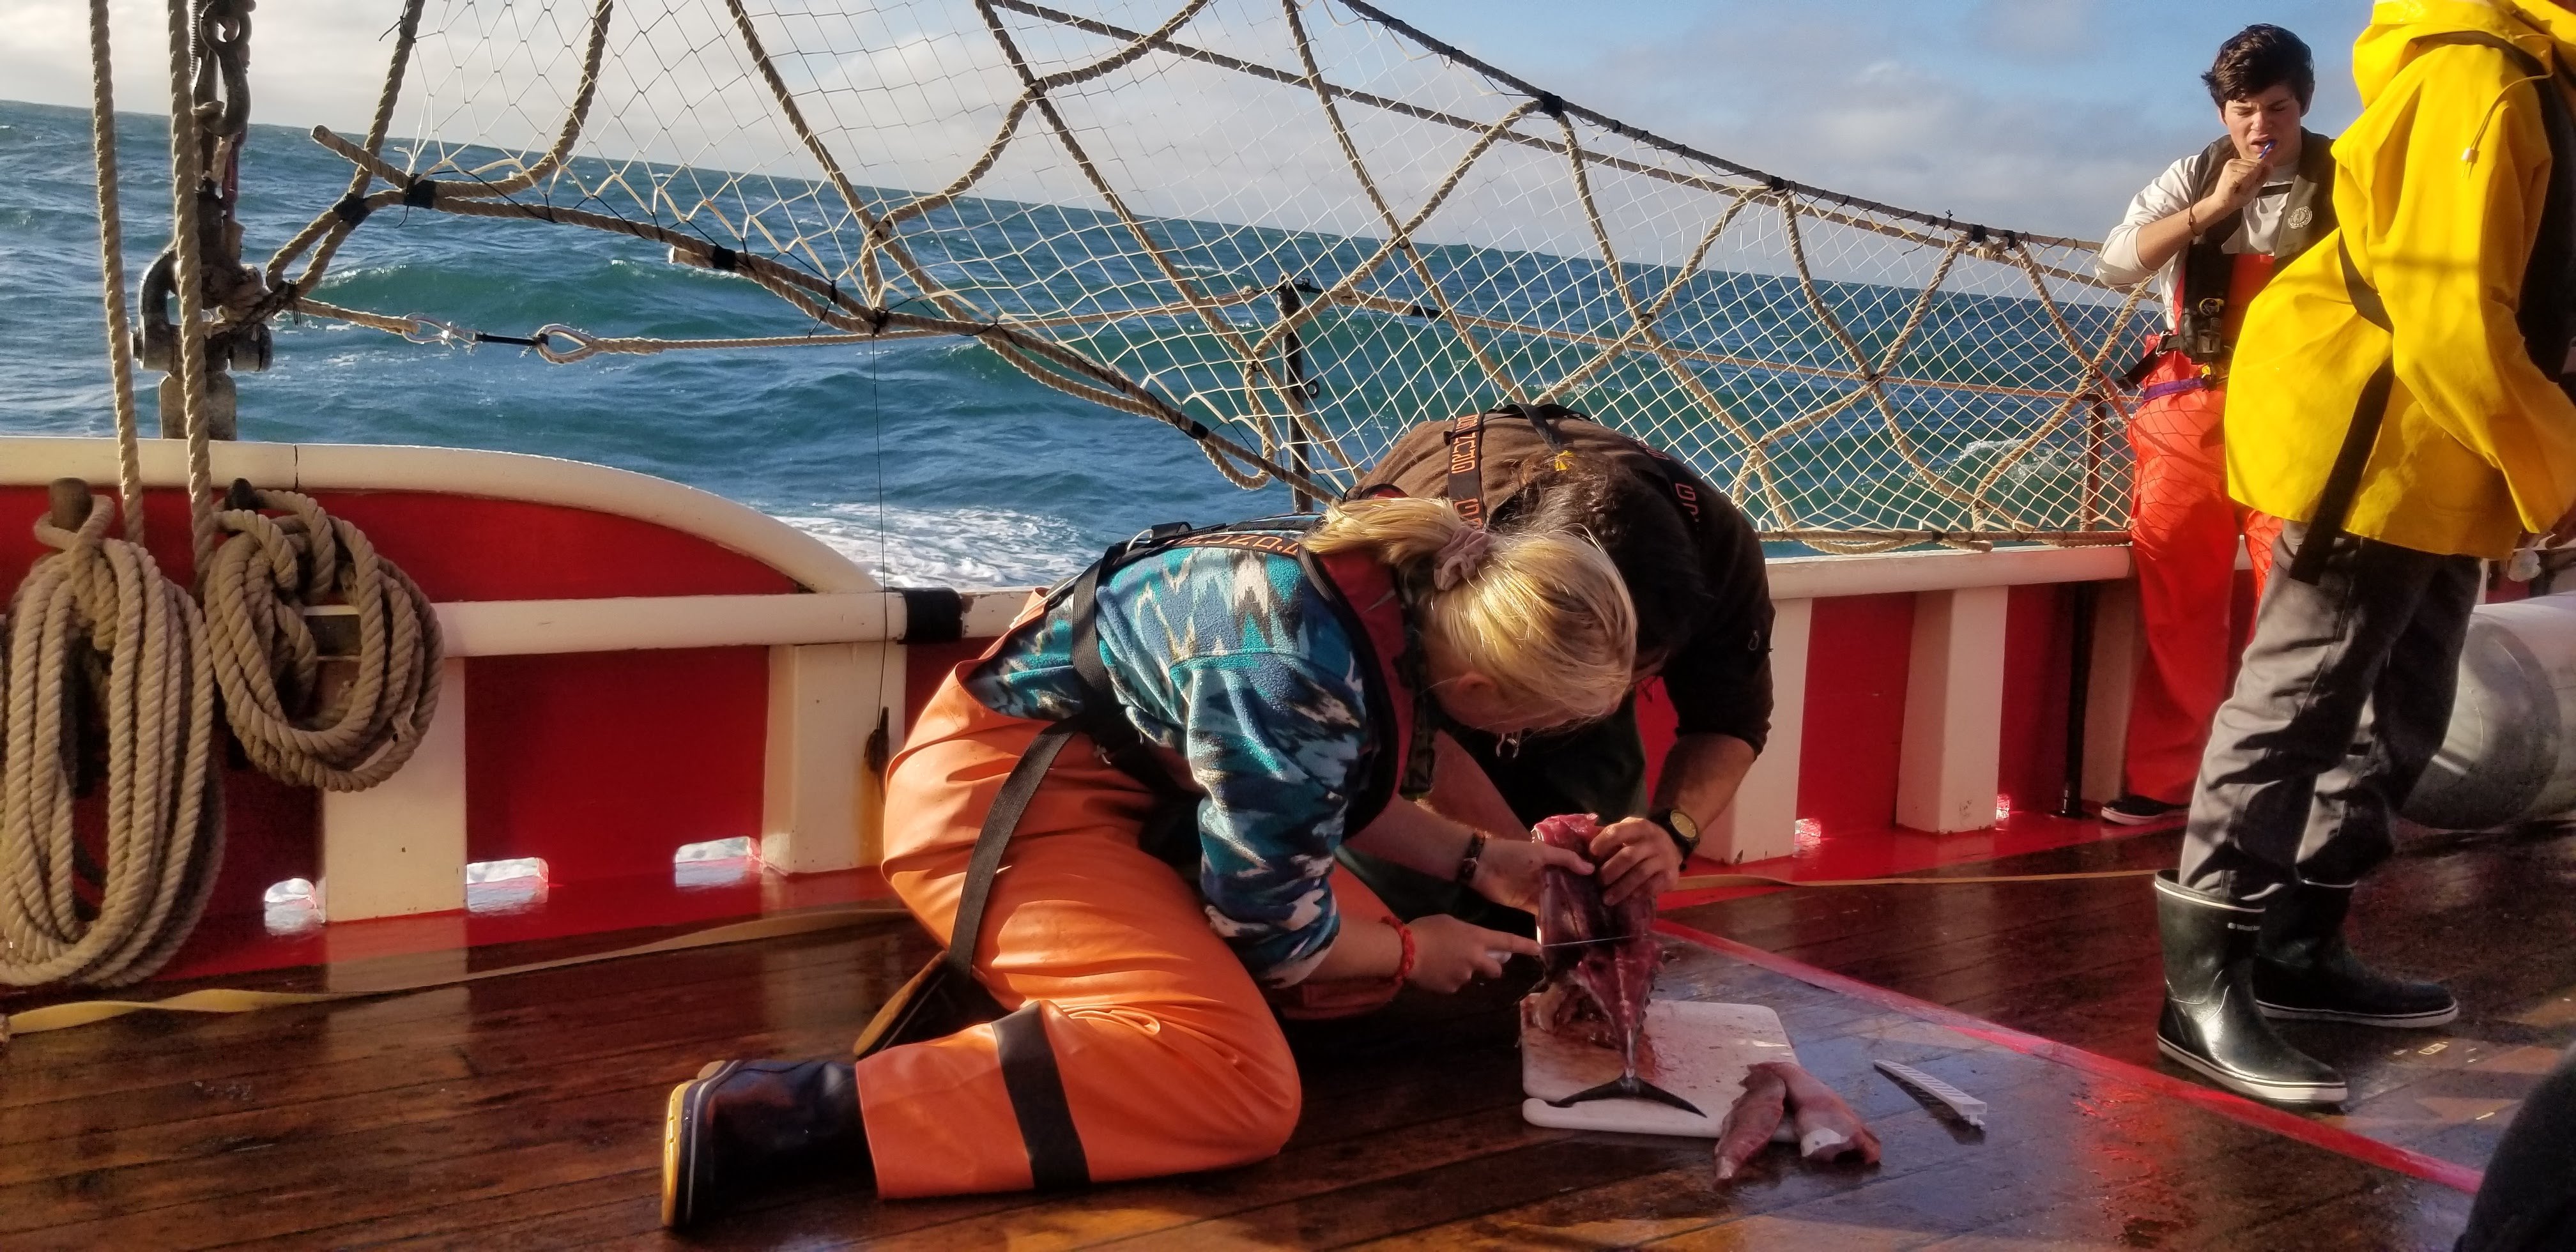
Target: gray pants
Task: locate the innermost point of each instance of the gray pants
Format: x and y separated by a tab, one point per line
2343	698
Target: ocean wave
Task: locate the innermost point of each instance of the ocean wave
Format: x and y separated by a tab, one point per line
966	548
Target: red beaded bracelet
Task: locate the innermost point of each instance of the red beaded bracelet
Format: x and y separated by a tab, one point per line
1403	964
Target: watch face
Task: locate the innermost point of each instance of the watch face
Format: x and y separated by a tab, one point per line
1682	822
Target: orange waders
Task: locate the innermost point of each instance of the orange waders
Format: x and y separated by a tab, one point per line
1166	1057
2182	531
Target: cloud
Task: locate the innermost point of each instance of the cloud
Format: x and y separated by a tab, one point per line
1979	108
312	61
1865	99
2041	29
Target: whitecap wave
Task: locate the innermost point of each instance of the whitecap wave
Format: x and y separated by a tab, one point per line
965	548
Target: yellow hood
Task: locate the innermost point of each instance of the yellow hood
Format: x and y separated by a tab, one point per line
2386	44
2439	187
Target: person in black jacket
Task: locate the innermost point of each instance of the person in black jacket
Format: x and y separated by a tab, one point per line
1694	569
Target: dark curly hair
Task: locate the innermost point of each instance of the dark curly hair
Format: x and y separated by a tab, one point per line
1630	513
2259	58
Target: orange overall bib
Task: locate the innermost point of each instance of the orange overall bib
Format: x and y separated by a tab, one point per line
2183	530
1169	1054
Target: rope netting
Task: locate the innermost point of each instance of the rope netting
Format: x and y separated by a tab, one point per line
1287	228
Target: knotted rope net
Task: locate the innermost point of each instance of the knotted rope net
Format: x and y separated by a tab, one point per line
344	736
1287	228
96	622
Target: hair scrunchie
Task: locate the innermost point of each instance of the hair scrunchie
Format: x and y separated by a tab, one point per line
1460	557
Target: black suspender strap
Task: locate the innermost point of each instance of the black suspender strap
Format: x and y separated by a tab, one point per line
1011	803
1029	1072
1056	1159
2365	298
1542	419
1467	467
985	864
2343	482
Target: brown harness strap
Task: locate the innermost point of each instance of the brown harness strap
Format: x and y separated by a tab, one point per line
1467	467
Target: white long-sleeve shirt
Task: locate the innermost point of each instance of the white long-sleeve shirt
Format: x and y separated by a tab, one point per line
2171	193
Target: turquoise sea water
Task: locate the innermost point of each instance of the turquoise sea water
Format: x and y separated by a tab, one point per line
934	459
956	467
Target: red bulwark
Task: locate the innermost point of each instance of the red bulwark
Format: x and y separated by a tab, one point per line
601	764
2039	642
1858	652
468	549
605	763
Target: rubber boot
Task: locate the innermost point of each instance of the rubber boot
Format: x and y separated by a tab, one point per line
2211	1024
2304	970
741	1124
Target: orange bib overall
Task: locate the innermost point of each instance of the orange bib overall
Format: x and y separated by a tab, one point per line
1170	1057
2183	530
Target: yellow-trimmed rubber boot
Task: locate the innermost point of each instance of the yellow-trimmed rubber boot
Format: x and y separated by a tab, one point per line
742	1124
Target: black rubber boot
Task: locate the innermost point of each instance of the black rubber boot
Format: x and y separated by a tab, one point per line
741	1124
2211	1023
2304	970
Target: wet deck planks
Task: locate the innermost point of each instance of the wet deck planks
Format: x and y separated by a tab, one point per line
2077	962
524	1113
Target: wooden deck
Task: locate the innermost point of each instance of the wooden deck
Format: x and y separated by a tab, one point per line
2077	962
525	1112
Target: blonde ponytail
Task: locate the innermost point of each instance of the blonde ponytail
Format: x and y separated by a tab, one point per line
1544	613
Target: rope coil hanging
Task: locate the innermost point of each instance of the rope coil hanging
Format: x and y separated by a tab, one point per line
96	622
295	727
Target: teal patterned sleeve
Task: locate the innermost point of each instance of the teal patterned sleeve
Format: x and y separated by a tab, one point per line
1276	745
1230	660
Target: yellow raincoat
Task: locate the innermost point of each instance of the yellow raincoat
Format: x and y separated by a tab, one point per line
2439	188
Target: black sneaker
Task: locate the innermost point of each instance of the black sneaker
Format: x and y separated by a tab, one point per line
2137	810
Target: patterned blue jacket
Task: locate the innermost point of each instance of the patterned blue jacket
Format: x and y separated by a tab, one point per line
1232	660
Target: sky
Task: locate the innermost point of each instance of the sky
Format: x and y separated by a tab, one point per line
2042	115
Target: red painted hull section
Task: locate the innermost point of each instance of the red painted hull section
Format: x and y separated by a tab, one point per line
600	764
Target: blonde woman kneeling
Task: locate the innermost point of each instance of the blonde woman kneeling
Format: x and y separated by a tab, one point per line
1241	702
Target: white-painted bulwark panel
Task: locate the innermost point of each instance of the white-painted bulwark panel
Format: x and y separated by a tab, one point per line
1763	821
2119	643
628	624
399	847
816	813
1826	577
1946	778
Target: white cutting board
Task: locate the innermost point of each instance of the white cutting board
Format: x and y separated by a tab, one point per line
1700	1053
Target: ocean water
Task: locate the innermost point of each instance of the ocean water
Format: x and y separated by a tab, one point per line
934	460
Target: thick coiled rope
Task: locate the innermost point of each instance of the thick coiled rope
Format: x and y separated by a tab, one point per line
98	615
271	668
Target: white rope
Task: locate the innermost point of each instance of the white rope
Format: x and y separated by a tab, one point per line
111	267
294	726
1841	434
97	618
188	363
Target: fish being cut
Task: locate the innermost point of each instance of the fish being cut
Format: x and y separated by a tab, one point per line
1600	962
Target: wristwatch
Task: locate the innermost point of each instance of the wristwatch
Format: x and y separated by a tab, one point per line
1679	825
